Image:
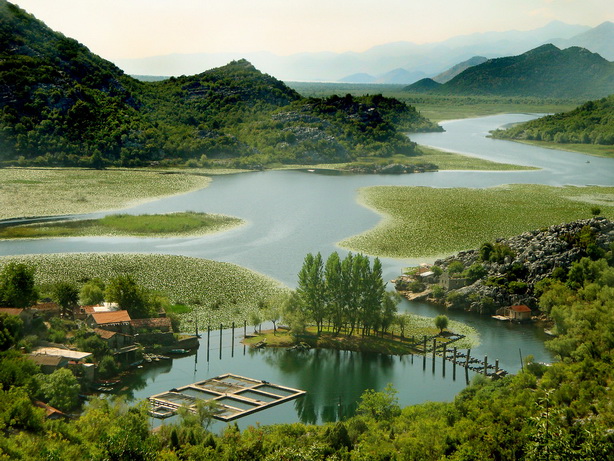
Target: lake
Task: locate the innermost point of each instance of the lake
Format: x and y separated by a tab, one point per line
292	213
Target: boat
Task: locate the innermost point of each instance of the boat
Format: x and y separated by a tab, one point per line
178	351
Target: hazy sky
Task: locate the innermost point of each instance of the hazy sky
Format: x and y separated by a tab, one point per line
116	29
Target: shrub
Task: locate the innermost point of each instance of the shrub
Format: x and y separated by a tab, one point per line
455	267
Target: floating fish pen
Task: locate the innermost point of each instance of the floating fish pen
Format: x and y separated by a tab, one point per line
233	396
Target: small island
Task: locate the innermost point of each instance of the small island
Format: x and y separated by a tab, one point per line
182	224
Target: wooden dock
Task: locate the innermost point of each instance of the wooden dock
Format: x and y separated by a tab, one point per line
235	396
439	347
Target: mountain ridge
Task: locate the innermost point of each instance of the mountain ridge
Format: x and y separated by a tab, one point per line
545	71
430	58
62	105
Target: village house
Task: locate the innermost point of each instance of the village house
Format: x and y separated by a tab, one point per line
24	314
452	283
161	324
516	313
53	358
113	339
49	363
118	321
84	311
47	310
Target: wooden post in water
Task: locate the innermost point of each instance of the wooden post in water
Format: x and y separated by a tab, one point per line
496	366
443	362
221	326
467	358
485	365
232	350
434	348
208	340
424	347
454	365
244	328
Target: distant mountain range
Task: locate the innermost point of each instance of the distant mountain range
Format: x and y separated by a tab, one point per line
545	71
381	64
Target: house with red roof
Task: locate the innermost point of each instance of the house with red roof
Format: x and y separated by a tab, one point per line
118	321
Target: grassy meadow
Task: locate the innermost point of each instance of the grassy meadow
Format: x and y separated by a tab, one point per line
27	192
219	293
181	224
422	221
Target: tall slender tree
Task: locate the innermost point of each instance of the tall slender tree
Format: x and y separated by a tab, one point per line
334	288
311	289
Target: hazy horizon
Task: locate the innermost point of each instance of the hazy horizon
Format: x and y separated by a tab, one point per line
119	29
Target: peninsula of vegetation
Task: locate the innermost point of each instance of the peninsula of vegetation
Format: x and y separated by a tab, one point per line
343	304
460	218
180	224
588	129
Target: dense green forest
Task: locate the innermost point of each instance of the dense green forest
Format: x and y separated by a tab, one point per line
591	123
545	71
562	411
62	105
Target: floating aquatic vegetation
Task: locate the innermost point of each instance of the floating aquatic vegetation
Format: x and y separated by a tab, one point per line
25	192
424	221
220	293
180	224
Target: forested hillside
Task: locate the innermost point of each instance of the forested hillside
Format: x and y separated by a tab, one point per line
591	123
545	71
62	105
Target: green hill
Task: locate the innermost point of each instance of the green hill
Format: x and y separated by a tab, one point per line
62	105
545	71
591	123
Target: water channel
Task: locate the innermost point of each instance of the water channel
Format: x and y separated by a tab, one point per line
291	213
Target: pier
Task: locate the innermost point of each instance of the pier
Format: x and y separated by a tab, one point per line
439	346
234	396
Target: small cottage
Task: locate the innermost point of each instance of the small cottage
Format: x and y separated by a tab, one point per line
517	313
49	363
113	339
118	321
24	314
160	324
520	312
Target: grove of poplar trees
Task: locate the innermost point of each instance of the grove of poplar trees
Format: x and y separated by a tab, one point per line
347	294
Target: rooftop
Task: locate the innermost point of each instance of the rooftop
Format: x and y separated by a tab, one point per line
520	308
58	352
159	322
10	310
102	318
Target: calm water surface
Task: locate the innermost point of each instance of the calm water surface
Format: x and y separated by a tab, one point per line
291	213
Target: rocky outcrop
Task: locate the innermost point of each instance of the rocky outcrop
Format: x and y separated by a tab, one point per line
529	258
